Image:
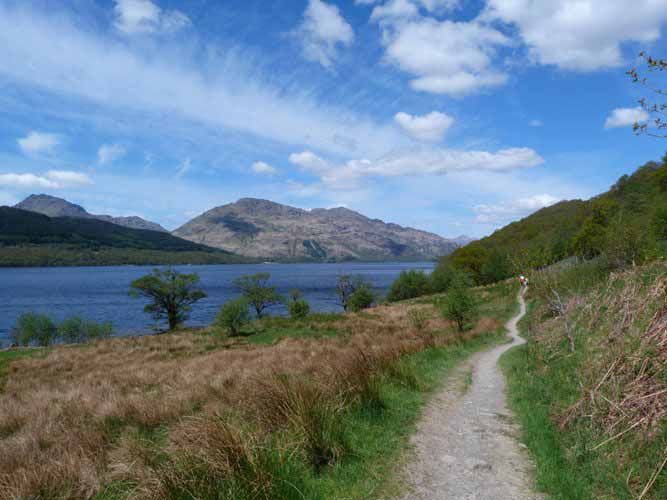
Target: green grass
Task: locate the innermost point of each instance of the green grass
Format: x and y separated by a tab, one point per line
380	439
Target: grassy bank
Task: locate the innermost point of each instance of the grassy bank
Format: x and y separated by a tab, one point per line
317	409
590	387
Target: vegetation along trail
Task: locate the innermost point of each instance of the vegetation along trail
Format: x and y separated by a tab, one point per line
465	445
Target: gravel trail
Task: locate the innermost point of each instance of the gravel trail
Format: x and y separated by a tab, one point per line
465	444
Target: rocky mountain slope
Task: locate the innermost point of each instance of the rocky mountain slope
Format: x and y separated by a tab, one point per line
264	229
52	206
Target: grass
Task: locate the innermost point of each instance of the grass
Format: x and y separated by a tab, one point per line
595	419
7	356
316	408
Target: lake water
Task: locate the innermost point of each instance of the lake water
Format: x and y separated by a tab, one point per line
101	293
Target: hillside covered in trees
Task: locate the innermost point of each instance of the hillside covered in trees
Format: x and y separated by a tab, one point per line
29	238
627	224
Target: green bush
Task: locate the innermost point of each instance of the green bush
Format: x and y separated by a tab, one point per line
34	328
75	330
460	305
233	316
441	277
361	298
298	309
408	285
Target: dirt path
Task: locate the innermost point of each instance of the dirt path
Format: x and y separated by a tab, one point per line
465	445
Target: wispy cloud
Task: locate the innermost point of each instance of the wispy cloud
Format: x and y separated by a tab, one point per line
38	143
427	128
504	213
109	153
145	16
626	117
53	179
262	168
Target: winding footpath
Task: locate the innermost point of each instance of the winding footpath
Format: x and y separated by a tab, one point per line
465	444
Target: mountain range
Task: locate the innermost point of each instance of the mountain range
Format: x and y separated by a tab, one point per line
264	229
57	207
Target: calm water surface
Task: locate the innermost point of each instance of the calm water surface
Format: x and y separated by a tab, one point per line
101	293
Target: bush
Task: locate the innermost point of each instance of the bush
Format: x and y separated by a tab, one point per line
418	318
441	277
298	309
233	316
408	285
75	330
460	305
32	327
361	298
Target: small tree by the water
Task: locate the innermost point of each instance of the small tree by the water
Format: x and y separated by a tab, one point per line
460	306
233	316
354	293
297	306
34	328
256	290
171	294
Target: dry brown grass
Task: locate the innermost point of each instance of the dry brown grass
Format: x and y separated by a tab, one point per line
84	416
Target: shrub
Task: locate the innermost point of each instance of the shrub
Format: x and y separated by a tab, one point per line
233	316
361	298
408	285
75	330
32	327
171	293
298	309
418	318
460	305
257	292
441	277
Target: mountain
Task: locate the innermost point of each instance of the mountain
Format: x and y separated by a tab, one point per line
632	212
57	207
29	238
264	229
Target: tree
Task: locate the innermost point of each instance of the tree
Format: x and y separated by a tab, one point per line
171	294
496	268
460	305
297	306
441	277
408	285
233	316
75	330
656	125
347	286
362	298
32	327
256	290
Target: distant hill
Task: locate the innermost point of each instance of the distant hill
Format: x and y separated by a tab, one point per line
631	208
57	207
264	229
29	238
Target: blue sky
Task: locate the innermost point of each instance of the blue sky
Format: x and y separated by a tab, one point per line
452	116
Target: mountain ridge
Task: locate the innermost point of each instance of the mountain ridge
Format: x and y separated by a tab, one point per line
52	206
260	228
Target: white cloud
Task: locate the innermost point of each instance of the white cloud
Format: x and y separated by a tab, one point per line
394	10
415	163
581	35
626	117
502	213
262	168
446	57
144	16
53	179
427	128
535	123
38	143
322	31
184	167
221	95
108	153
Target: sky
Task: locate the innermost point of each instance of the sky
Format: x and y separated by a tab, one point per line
452	116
